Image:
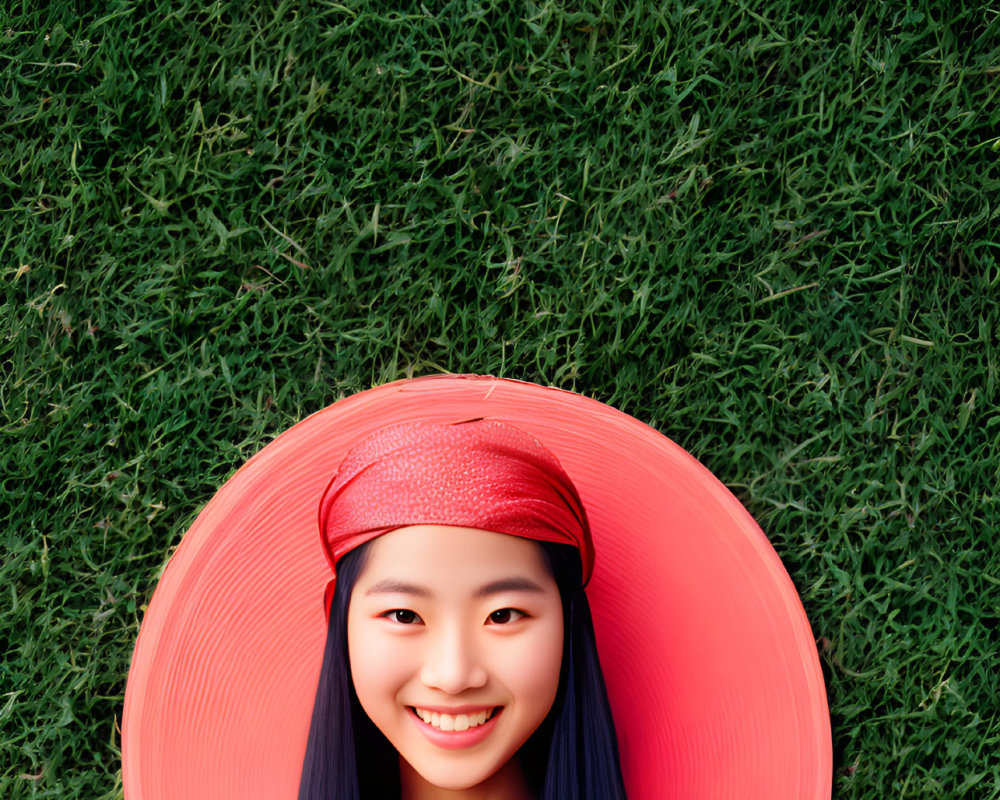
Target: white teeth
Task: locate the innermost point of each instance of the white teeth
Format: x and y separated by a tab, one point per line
447	722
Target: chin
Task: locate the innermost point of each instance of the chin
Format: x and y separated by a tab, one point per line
458	777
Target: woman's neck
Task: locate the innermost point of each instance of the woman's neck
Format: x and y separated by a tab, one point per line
508	783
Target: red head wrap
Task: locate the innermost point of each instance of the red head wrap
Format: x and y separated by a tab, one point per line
478	473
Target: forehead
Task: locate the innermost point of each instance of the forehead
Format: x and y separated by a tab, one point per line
435	552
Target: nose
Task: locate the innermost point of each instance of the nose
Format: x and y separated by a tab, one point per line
452	662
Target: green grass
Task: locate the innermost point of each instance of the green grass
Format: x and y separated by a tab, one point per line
767	230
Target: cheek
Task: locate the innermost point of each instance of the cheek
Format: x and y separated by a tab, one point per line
377	668
534	672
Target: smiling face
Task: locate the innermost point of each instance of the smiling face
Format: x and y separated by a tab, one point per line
455	639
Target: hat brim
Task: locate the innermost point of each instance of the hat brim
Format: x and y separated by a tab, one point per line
711	667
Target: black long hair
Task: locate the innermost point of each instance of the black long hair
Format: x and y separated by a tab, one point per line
572	756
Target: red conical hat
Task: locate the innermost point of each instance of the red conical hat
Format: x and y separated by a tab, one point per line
711	667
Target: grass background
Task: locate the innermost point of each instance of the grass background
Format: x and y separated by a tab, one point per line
767	229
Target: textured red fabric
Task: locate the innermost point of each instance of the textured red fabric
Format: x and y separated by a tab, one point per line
479	473
711	667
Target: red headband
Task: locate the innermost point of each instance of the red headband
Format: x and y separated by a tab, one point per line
478	473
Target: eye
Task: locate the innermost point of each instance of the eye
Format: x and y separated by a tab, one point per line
504	616
403	616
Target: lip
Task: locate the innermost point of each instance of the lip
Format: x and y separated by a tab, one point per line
454	710
455	740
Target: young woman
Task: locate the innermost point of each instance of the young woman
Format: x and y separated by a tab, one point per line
460	659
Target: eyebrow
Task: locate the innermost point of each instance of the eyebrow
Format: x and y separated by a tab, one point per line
509	585
393	586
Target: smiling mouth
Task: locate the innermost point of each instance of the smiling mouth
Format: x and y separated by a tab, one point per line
457	722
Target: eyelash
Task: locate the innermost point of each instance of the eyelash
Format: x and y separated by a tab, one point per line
512	615
395	613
